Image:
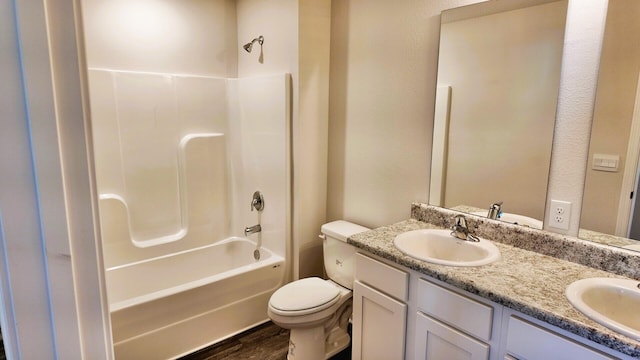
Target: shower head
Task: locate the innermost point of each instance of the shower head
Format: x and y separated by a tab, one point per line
248	46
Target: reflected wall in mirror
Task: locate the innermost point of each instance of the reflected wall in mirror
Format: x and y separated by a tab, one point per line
612	171
498	82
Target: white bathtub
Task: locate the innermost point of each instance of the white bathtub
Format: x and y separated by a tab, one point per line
171	305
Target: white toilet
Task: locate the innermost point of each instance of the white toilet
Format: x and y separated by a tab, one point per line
318	311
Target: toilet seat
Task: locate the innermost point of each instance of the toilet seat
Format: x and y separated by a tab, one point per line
305	296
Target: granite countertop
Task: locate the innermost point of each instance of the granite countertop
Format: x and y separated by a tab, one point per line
601	238
523	280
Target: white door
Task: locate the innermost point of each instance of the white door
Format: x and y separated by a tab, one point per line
379	324
435	341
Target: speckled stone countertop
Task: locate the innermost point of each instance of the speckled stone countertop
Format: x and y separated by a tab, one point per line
595	236
523	280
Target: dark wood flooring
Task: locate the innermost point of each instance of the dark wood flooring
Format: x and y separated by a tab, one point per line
265	342
3	356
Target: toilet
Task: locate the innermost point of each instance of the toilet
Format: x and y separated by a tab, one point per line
318	311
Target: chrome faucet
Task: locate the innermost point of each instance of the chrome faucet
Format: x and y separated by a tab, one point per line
460	230
495	210
252	229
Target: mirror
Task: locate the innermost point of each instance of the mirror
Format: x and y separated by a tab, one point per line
498	82
609	211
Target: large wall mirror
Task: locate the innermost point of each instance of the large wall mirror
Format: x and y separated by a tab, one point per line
498	79
610	204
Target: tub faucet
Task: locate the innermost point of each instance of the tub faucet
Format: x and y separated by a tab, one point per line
252	229
460	230
495	210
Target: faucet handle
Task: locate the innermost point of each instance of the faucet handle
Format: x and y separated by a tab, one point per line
459	222
460	230
495	210
258	201
497	204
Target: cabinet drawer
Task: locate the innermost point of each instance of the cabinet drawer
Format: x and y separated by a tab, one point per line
383	277
457	310
547	345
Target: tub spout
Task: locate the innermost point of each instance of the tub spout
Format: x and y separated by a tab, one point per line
252	229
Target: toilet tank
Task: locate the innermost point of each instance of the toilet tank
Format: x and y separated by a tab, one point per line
339	257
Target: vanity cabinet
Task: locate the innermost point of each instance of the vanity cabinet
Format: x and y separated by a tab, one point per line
400	313
454	324
527	340
450	325
379	310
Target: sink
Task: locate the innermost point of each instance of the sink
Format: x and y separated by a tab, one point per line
515	219
611	302
440	247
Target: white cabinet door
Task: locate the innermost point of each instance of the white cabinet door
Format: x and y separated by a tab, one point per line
435	341
379	323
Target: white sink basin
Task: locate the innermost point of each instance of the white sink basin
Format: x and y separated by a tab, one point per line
440	247
635	247
614	303
515	219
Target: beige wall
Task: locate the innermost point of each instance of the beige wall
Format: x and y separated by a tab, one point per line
275	20
612	115
383	78
169	36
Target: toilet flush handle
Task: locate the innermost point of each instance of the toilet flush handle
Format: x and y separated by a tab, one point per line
322	236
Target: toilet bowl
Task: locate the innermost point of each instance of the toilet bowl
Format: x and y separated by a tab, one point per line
318	311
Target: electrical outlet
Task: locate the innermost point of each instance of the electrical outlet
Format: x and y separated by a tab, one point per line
560	214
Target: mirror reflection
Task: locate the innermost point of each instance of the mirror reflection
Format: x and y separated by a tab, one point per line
498	80
610	197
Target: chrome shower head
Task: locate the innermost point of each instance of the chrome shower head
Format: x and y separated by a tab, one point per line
248	46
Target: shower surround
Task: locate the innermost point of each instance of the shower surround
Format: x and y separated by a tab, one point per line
178	158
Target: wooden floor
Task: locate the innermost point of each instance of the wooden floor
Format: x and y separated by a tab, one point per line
3	356
265	342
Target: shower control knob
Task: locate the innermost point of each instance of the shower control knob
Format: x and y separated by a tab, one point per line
258	201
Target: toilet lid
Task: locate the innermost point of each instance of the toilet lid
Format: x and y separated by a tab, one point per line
304	294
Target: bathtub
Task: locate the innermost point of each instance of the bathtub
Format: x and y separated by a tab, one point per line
169	306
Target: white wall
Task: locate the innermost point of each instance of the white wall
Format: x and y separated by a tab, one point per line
145	128
140	117
277	21
296	41
259	133
51	281
578	82
19	228
206	38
